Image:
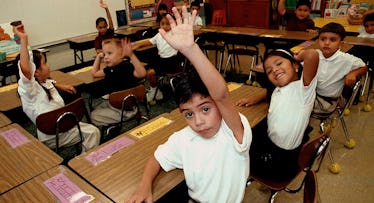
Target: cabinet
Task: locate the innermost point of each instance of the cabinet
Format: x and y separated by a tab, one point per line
251	13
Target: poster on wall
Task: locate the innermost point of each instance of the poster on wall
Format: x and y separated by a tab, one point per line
141	11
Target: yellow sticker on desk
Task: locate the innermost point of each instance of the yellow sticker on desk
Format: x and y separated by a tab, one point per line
230	32
8	87
233	86
150	127
88	68
270	35
297	48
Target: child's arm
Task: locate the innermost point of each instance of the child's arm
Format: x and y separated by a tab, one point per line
96	70
141	43
139	70
352	76
252	100
66	88
105	6
24	52
311	60
144	191
281	7
182	39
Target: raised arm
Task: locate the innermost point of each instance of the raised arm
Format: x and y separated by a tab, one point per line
104	5
281	7
182	39
127	50
24	52
96	70
311	60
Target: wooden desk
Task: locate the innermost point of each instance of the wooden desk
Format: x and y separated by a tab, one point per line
4	121
20	164
119	175
81	43
35	190
320	22
85	75
130	32
149	24
65	78
314	45
360	41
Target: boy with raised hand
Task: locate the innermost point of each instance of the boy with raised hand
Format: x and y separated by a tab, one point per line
213	150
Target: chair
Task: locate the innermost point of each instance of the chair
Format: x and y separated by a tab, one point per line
311	188
62	120
311	155
212	41
239	45
126	100
8	68
219	17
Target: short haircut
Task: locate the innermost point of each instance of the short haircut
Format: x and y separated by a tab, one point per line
195	3
100	19
304	3
162	6
334	28
114	40
368	17
186	85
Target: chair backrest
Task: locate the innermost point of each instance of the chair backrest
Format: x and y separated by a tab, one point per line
47	122
311	187
219	17
120	98
314	148
349	94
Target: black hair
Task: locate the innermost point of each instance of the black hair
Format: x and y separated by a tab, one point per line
37	58
100	19
162	6
334	28
186	85
368	17
165	14
304	3
195	3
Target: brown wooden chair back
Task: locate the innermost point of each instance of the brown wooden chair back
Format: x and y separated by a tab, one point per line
311	187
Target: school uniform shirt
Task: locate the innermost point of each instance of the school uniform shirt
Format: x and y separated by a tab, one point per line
289	112
362	33
215	169
332	71
99	38
164	49
198	20
295	24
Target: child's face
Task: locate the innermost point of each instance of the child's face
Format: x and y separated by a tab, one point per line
195	8
202	115
302	12
329	43
112	54
164	24
102	27
162	11
369	27
280	71
42	73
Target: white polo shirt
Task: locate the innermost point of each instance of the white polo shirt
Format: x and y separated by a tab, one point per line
164	49
215	169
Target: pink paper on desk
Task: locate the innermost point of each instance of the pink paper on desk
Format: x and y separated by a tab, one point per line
107	151
65	190
14	137
306	44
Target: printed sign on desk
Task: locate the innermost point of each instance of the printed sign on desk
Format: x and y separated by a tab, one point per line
14	137
150	127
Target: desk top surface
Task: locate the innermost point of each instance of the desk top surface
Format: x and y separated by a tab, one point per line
25	161
36	191
359	41
314	45
85	75
65	78
4	121
320	22
83	38
119	175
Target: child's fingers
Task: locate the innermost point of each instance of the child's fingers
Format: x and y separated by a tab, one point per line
177	17
185	14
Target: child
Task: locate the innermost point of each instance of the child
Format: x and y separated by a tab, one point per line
336	68
274	153
119	74
299	20
3	35
169	61
39	94
102	28
195	5
161	10
368	24
213	148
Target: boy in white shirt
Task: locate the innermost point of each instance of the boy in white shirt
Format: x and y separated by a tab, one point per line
195	5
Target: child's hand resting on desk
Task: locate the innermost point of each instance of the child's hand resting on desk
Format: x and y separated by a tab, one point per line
66	88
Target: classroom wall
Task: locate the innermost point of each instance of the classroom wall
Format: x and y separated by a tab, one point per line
53	21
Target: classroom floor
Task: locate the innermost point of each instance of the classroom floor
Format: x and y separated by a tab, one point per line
355	182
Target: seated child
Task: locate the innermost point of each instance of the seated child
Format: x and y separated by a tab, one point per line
213	149
169	61
274	153
195	5
39	95
299	20
123	71
161	10
368	25
102	27
3	35
335	69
